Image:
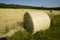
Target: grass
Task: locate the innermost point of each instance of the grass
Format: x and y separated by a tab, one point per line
53	33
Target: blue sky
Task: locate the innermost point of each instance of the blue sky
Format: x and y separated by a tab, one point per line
46	3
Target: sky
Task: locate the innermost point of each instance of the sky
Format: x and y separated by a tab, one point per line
45	3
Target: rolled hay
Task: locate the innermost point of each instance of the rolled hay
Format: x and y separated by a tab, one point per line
36	21
28	23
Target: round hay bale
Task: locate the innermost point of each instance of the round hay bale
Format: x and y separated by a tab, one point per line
28	23
36	21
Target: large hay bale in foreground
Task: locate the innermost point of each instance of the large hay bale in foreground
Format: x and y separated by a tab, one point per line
28	23
36	21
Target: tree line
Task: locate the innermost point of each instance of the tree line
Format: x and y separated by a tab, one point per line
15	6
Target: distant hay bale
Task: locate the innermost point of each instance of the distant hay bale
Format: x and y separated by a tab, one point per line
36	21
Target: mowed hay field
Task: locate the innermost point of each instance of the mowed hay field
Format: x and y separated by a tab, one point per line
9	17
